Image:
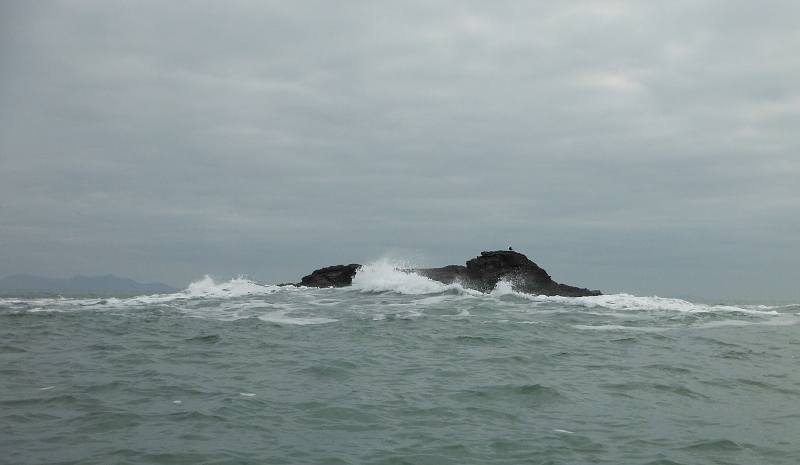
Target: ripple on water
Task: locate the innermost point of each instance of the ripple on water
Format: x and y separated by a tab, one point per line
9	349
103	422
715	445
333	371
529	395
648	388
210	339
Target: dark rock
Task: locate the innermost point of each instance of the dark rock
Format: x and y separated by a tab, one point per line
332	276
481	273
484	272
447	274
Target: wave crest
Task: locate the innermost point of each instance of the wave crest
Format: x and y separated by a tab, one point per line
237	287
387	276
650	303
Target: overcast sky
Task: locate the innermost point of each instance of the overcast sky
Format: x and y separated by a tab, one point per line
626	146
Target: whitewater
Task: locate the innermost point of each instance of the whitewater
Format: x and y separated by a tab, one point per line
395	369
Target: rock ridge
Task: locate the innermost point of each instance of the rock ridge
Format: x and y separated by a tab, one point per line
331	276
481	273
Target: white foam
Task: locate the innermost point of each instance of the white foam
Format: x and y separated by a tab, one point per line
40	309
237	287
785	320
502	288
205	288
386	276
282	318
631	302
242	298
432	300
620	328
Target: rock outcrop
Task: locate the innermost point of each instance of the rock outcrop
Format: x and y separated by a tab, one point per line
331	276
484	272
481	273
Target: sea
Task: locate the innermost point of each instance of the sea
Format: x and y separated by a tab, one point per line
396	369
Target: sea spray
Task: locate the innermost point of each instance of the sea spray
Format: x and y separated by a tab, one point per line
390	276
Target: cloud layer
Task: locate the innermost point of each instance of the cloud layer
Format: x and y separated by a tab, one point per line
627	146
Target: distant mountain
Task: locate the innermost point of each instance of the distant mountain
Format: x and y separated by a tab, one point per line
83	283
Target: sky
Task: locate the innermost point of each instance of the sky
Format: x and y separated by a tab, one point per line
651	148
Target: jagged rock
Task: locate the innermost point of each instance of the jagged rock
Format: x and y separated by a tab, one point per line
332	276
484	272
481	273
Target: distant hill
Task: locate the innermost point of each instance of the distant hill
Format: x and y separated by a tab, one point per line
83	283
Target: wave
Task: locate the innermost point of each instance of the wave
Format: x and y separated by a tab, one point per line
387	276
625	301
237	287
205	288
244	298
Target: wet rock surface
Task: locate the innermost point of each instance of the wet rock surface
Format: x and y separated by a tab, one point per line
331	276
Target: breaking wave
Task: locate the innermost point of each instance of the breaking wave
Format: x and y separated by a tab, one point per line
405	291
237	287
387	276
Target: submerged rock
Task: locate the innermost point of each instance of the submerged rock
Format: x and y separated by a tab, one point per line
481	273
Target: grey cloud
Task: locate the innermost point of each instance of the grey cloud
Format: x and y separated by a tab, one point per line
166	141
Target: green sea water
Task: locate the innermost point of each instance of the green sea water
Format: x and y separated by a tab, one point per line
395	370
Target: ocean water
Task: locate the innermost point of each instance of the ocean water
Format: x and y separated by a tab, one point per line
396	369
